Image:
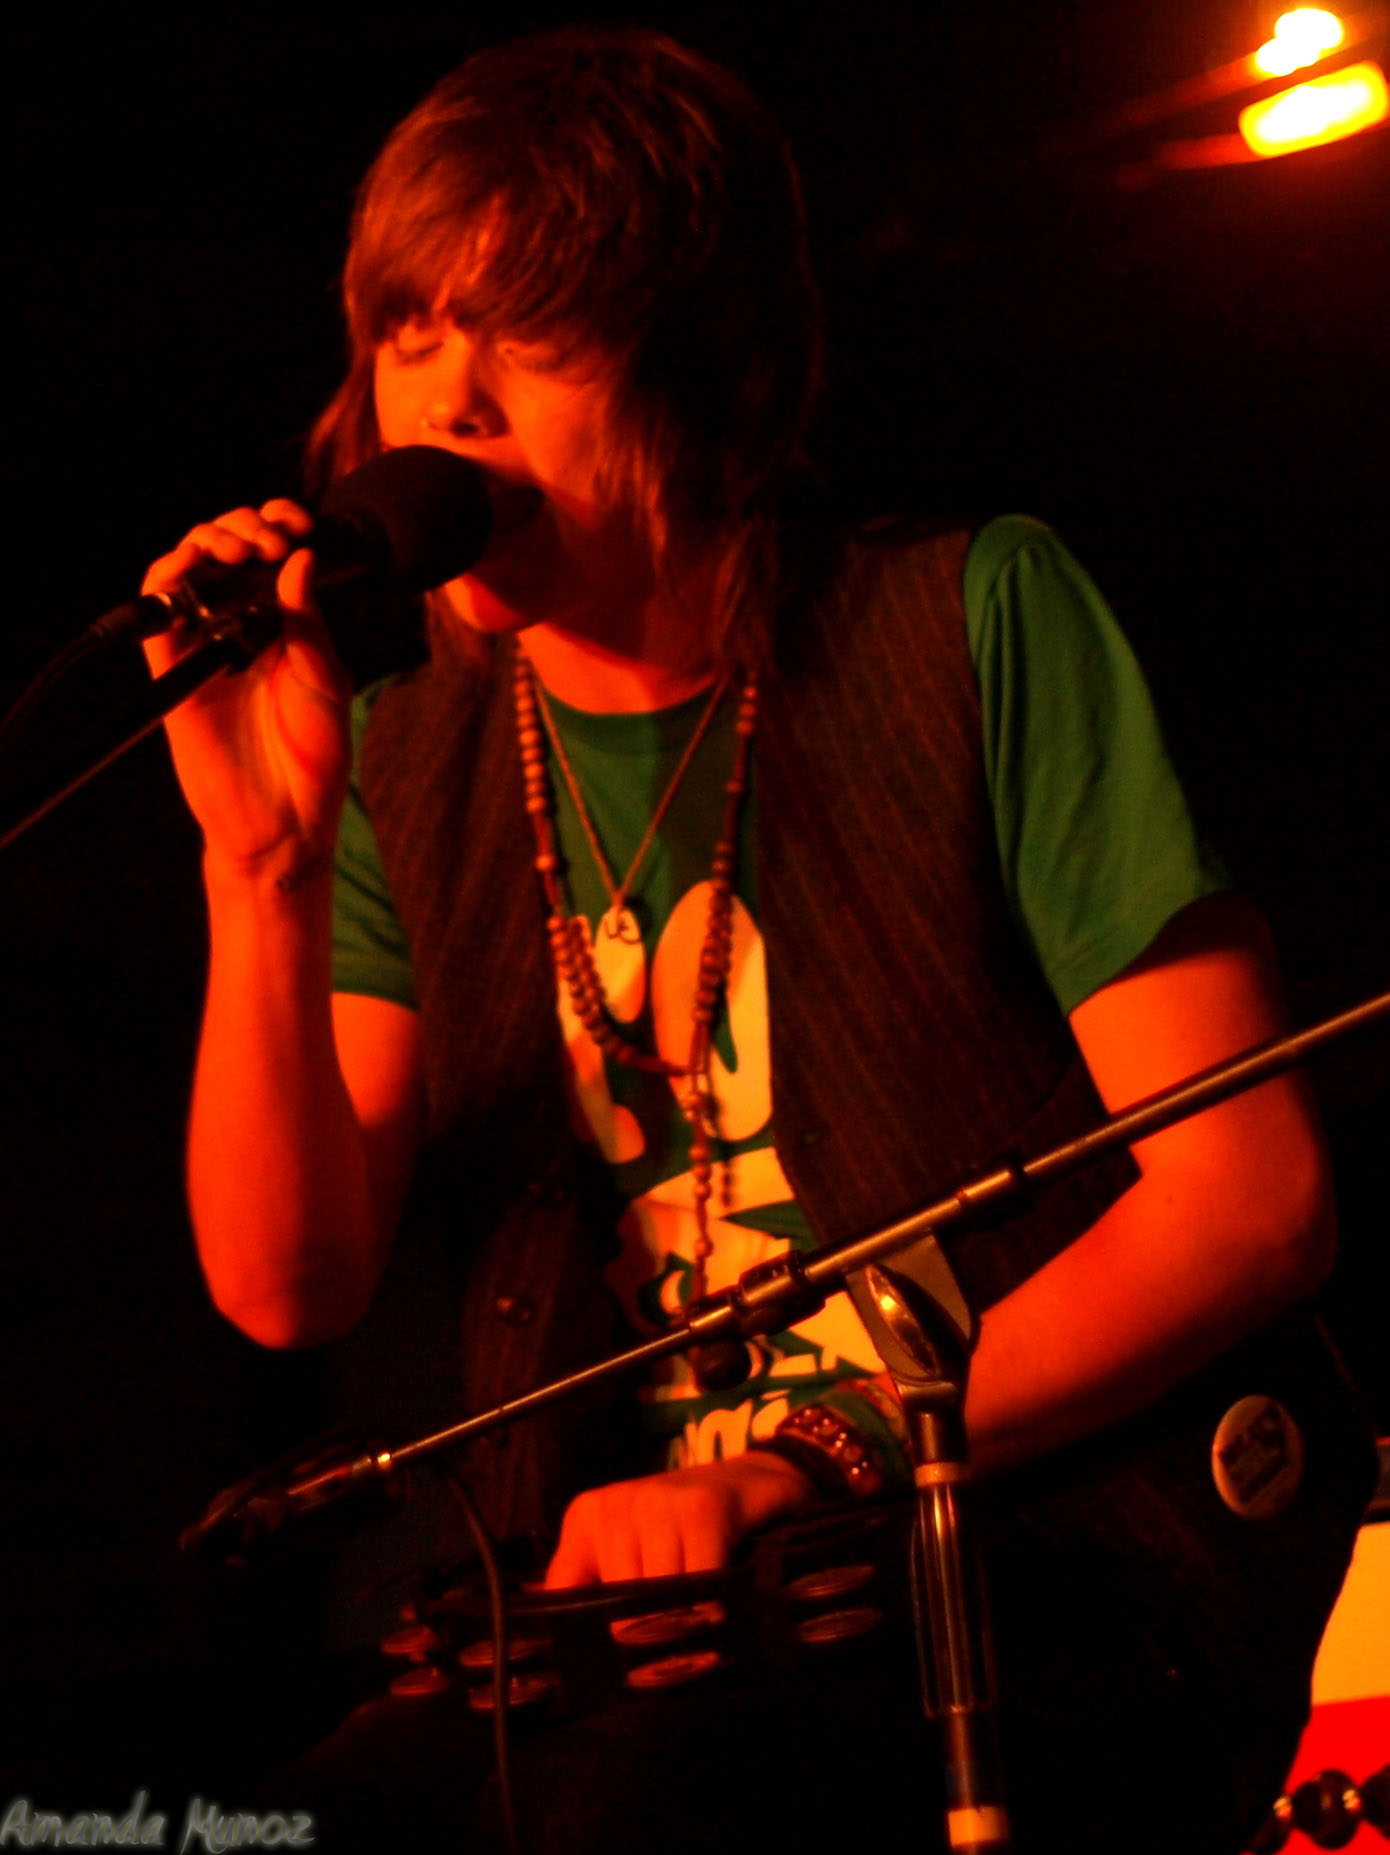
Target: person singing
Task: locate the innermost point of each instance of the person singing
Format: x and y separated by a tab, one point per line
731	875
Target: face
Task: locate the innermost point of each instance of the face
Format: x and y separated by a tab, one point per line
537	424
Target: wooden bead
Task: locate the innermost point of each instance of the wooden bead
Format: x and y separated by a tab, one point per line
572	953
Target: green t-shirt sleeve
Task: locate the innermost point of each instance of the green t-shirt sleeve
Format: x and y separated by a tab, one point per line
370	951
1096	842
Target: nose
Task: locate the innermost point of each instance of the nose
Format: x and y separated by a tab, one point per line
458	401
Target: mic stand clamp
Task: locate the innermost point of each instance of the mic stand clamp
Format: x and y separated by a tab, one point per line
923	1330
295	1487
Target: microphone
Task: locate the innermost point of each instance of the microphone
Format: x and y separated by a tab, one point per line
406	522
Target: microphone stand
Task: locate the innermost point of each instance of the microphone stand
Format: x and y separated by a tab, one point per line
408	520
231	641
924	1331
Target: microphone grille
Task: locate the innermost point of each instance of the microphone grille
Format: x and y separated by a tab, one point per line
424	511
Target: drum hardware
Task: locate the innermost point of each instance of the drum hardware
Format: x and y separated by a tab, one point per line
426	1678
1375	1800
478	1657
839	1581
523	1692
1328	1809
415	1642
426	1652
811	1588
662	1627
675	1671
835	1626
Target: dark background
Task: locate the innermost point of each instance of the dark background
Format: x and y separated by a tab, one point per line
1187	376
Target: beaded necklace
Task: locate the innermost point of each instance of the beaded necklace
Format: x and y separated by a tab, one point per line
618	922
574	961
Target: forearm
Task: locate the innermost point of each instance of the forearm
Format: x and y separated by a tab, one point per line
277	1171
1179	1268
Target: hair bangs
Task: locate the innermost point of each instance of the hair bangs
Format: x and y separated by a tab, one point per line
617	199
406	257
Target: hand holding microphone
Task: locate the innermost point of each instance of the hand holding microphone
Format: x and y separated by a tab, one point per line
405	522
263	756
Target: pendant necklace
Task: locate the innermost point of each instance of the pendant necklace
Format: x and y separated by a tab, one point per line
618	921
725	1363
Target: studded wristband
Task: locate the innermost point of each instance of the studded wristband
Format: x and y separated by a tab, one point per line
829	1451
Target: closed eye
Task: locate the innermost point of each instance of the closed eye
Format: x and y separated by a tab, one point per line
415	339
531	357
409	352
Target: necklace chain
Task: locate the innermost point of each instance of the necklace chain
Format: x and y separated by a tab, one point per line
569	937
618	892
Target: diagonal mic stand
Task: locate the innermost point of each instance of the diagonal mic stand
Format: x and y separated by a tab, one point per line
924	1332
228	641
405	522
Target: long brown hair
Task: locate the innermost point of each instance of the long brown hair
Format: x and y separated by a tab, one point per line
611	187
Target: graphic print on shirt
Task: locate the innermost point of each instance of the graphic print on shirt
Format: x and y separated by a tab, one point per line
752	1216
1097	850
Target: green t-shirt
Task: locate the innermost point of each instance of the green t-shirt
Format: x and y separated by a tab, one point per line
1097	849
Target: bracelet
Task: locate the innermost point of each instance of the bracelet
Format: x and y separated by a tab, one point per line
829	1451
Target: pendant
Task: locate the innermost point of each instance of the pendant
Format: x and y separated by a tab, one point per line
620	960
621	924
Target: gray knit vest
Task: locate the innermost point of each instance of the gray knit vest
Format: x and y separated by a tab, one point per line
913	1038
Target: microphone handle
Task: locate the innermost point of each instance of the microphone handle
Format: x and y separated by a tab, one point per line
343	551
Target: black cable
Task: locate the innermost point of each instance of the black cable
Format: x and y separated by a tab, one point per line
500	1669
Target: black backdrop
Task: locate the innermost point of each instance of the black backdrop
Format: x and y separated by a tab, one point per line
1188	378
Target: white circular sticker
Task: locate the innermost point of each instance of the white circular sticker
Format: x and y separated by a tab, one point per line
1257	1458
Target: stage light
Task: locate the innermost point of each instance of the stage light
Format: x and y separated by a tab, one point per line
1300	38
1322	110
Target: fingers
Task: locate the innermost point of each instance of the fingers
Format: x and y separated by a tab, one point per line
602	1540
707	1539
281	513
655	1548
655	1528
688	1520
267	533
575	1560
308	647
295	586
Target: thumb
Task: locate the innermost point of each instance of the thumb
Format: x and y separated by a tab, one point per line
308	648
295	586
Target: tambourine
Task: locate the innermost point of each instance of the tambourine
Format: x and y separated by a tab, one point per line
832	1587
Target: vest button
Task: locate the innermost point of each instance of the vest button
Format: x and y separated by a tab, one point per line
517	1310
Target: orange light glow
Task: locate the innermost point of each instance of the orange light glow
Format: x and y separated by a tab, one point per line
1323	110
1300	38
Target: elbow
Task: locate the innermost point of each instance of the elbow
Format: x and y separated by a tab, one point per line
303	1317
1261	1183
1261	1224
1299	1228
